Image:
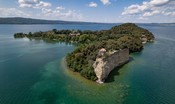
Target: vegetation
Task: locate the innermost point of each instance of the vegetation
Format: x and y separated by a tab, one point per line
20	20
82	58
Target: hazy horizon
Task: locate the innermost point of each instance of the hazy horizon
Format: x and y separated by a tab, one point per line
101	11
93	22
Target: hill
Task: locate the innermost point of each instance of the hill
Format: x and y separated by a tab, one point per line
20	20
120	37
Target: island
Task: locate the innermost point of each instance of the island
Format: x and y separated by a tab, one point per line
98	52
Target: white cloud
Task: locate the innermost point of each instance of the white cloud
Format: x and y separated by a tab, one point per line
106	2
133	9
151	13
60	8
28	1
48	12
93	4
33	3
151	8
142	18
159	2
62	13
12	12
42	4
169	13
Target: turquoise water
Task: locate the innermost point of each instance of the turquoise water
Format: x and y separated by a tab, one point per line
33	71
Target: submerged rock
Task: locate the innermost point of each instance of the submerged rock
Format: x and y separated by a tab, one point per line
107	61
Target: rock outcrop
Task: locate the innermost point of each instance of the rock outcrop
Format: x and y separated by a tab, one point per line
107	61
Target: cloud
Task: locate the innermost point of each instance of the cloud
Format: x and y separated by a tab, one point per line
106	2
151	8
92	4
12	12
60	8
159	2
49	12
33	3
61	13
43	4
151	13
169	13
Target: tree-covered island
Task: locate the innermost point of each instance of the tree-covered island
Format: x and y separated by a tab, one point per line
125	36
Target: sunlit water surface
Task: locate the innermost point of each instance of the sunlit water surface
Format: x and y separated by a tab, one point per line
33	71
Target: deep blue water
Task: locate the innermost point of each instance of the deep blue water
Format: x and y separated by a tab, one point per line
33	71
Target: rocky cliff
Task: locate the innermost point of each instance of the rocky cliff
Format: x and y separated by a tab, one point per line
107	61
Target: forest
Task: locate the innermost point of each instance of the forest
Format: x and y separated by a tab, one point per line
126	35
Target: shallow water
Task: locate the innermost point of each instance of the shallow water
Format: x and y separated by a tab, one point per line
33	71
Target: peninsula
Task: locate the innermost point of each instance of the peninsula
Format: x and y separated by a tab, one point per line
98	52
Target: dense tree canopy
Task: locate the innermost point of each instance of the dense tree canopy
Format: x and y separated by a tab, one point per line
82	58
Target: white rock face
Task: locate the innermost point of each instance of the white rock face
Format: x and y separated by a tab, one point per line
107	61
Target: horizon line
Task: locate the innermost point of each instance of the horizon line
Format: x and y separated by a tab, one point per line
89	21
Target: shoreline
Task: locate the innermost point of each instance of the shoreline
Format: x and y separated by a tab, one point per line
75	75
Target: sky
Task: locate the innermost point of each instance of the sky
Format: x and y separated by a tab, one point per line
106	11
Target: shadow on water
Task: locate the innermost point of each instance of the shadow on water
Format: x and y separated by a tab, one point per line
115	72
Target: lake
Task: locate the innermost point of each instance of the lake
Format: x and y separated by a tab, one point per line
33	71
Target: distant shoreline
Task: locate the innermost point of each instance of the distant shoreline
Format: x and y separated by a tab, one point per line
20	20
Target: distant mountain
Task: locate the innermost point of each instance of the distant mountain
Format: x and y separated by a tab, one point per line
20	20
